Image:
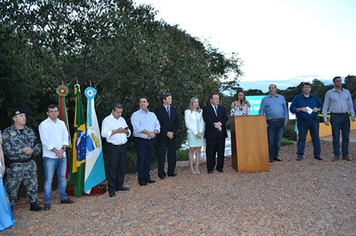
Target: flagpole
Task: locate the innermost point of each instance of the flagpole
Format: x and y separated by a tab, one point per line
62	91
94	165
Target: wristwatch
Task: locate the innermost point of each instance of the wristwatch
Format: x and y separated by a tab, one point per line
64	148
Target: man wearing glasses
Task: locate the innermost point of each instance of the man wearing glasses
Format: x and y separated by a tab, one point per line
307	107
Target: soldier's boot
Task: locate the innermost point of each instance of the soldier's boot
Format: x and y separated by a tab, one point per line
35	207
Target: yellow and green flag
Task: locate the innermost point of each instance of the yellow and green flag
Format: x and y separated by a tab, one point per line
79	145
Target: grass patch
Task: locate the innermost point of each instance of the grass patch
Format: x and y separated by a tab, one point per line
286	142
182	155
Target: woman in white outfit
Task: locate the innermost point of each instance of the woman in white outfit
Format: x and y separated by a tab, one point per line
196	126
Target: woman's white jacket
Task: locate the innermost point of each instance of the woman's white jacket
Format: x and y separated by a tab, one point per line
191	122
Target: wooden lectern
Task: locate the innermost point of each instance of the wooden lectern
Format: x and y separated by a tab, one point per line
249	143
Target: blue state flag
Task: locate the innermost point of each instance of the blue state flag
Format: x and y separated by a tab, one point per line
94	165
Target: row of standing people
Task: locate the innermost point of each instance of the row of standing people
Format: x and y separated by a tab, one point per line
21	145
307	106
206	125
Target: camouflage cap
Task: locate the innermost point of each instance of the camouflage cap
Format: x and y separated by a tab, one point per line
17	112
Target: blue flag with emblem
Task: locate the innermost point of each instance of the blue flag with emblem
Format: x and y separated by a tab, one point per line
94	165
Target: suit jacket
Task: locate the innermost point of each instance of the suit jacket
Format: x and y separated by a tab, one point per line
166	123
210	118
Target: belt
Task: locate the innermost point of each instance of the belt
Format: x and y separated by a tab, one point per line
309	119
119	145
276	119
22	161
144	139
340	114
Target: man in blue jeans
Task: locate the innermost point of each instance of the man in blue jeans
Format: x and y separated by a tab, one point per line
338	101
274	106
307	106
54	137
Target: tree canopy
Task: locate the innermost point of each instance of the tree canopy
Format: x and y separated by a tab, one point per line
116	46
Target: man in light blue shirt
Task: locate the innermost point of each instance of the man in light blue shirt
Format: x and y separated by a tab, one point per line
338	101
274	106
145	128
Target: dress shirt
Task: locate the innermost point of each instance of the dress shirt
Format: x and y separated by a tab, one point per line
169	107
215	109
338	102
301	101
191	120
109	124
53	135
141	120
274	107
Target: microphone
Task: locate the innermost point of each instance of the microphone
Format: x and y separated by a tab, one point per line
241	104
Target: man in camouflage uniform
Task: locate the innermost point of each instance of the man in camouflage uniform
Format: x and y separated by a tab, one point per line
20	146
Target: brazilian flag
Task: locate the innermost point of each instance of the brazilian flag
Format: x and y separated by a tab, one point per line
79	145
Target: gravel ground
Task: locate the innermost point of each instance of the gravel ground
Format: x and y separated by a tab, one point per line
309	197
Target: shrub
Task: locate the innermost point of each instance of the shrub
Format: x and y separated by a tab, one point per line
289	131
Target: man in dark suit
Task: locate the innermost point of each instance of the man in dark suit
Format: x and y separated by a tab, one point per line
215	118
168	119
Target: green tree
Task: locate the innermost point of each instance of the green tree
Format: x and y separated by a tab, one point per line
319	88
116	46
350	84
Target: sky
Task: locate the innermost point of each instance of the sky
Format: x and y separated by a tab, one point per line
283	42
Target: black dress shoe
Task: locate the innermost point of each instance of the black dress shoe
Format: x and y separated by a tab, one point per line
162	177
299	157
172	175
151	181
142	183
112	194
67	201
122	188
35	207
222	170
277	159
271	160
319	158
210	171
47	206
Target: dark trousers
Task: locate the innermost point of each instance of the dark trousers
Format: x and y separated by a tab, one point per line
303	127
340	122
214	146
116	166
144	149
274	132
164	144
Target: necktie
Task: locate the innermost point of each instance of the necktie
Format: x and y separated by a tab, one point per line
216	110
169	113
